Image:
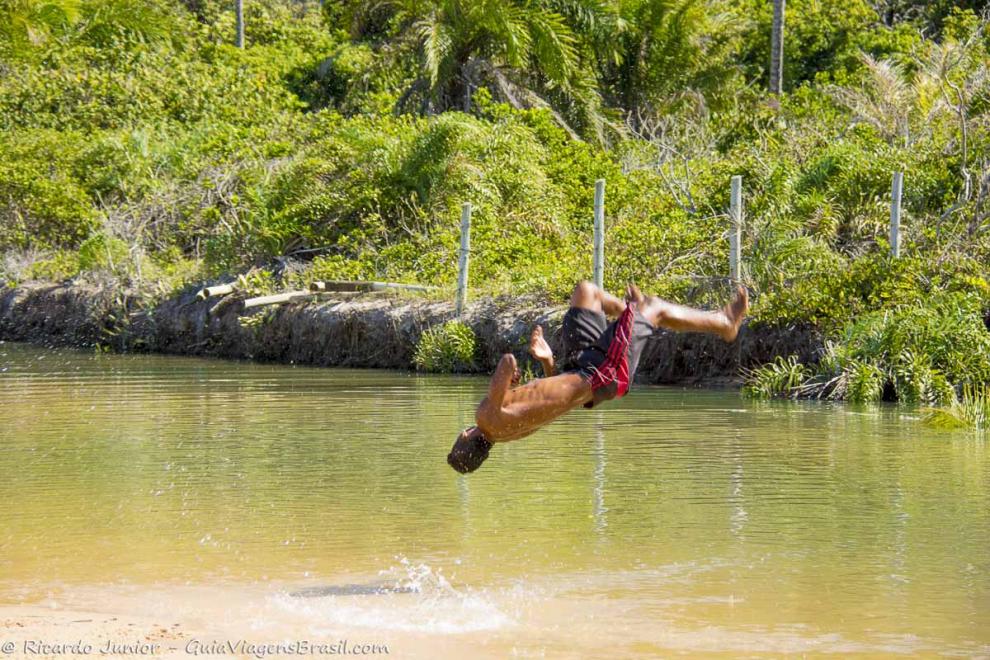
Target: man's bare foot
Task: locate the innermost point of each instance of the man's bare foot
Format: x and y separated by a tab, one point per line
633	294
735	312
538	346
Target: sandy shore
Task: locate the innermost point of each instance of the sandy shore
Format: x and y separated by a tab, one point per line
338	620
34	631
43	632
46	631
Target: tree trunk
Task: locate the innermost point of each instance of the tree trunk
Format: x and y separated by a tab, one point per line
777	48
239	7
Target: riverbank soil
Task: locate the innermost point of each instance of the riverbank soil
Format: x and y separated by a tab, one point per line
363	330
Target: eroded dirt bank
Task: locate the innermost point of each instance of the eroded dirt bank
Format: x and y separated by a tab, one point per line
366	330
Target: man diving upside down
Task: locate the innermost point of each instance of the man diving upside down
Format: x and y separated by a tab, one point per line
600	360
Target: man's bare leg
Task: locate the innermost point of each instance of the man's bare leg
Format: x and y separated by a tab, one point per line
540	350
664	314
588	296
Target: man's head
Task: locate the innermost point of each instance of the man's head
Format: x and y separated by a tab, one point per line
469	451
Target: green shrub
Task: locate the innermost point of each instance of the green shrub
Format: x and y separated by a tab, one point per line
446	348
919	353
971	410
42	203
780	378
59	266
819	34
102	252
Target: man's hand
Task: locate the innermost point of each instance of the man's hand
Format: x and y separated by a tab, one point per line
540	350
502	380
633	294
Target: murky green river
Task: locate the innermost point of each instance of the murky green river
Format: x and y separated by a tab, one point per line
288	498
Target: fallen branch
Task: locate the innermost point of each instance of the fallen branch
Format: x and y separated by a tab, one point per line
348	286
214	291
278	299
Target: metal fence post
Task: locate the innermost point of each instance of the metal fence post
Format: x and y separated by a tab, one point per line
462	265
895	214
735	231
598	247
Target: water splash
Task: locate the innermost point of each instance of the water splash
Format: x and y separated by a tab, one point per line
409	597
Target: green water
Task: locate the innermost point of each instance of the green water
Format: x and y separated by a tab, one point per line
672	520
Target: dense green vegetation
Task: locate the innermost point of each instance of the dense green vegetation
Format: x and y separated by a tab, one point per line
446	348
969	410
137	143
913	353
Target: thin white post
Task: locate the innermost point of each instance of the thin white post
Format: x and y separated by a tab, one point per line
462	266
239	8
777	48
599	236
735	231
895	214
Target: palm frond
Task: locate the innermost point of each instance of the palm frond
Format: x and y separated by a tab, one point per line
436	45
553	50
885	99
598	22
28	24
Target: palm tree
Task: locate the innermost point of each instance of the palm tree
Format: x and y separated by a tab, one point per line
106	23
27	24
670	50
891	100
526	52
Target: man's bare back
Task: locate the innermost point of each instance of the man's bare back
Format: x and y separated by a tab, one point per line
510	412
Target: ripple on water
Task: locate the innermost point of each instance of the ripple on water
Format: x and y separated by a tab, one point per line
675	519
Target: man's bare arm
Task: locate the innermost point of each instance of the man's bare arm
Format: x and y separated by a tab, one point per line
505	373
